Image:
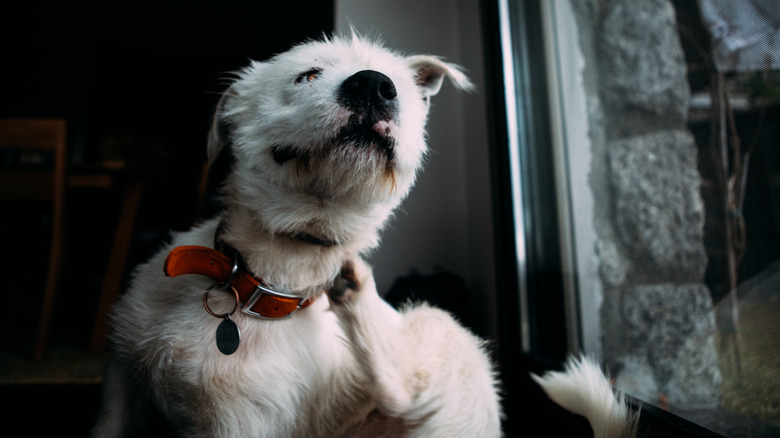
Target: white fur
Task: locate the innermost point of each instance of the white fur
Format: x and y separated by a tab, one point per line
584	390
356	369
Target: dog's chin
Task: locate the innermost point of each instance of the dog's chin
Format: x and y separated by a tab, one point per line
370	139
357	163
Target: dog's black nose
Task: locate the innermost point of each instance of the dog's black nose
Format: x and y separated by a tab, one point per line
369	93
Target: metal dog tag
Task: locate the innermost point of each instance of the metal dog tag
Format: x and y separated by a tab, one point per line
228	336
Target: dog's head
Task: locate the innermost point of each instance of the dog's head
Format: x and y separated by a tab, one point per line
326	138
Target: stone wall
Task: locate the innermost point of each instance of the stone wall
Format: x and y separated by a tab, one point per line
656	318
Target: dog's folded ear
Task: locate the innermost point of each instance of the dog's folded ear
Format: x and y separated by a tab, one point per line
430	72
219	133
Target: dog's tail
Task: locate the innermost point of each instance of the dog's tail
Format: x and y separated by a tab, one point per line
584	390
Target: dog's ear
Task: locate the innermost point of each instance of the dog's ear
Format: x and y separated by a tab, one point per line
430	72
219	133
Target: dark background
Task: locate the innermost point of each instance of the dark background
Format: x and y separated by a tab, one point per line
139	81
136	82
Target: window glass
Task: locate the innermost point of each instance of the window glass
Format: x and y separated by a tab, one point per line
665	120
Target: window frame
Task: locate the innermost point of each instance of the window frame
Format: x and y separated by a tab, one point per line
540	256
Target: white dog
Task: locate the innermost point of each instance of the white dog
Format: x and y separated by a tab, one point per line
264	321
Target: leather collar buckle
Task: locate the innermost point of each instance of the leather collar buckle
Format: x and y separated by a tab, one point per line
259	300
276	305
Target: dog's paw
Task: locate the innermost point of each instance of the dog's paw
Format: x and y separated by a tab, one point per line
349	282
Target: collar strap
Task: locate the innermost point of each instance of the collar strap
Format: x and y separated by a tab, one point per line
257	297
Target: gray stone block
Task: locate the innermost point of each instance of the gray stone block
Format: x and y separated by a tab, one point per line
659	213
695	378
671	327
641	60
636	378
613	266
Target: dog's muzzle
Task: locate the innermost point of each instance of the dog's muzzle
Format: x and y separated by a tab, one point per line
371	95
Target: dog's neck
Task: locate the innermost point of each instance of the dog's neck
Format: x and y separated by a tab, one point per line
314	240
221	245
287	261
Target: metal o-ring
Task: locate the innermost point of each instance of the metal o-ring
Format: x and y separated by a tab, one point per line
206	300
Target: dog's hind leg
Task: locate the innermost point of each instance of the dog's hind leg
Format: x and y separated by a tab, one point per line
114	414
126	410
426	370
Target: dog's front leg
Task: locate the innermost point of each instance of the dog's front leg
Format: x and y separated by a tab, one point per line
374	329
430	376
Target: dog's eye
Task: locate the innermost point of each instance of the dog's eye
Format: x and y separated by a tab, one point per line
308	75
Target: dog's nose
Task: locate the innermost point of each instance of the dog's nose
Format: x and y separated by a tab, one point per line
369	93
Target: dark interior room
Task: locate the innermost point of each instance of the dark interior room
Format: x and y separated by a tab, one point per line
137	84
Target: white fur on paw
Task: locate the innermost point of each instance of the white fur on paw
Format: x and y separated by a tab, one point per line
354	275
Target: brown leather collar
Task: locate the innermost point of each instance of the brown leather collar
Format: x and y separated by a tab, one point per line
255	295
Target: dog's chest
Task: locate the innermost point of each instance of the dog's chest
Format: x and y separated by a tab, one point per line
283	370
287	370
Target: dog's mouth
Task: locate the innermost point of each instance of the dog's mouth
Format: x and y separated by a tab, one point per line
364	136
361	136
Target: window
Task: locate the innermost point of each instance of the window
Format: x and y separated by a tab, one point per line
645	173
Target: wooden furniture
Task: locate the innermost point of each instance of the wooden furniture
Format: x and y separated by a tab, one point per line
44	138
112	280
